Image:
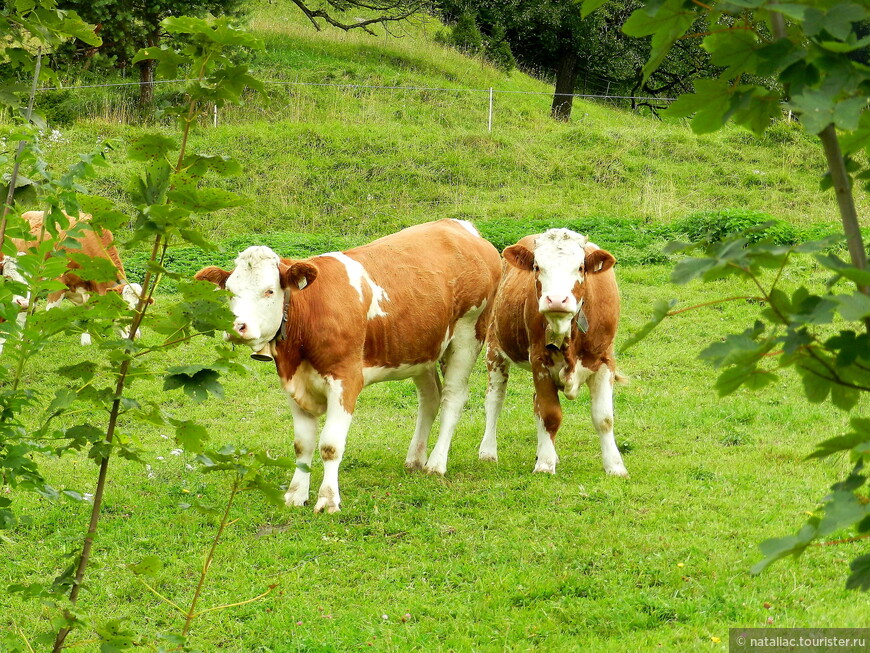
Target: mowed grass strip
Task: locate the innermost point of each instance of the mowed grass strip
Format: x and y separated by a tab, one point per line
490	557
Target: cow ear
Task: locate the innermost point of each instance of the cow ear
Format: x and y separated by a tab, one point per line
599	260
299	275
214	274
520	257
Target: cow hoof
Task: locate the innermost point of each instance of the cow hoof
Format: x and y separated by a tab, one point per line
293	497
413	466
436	470
545	468
490	456
327	504
620	471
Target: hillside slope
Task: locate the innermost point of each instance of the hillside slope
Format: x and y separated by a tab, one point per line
364	161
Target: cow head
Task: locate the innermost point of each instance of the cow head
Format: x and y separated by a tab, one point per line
258	285
9	270
560	262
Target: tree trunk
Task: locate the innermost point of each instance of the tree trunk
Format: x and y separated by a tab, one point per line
146	83
566	76
146	71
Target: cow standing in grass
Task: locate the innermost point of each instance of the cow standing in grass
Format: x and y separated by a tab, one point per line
92	244
556	313
335	323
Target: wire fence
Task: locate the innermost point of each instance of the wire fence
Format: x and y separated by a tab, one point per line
489	95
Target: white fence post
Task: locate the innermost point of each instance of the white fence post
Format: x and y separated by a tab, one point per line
490	109
215	115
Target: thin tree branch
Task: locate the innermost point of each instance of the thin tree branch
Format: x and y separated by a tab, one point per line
160	596
843	541
233	605
14	177
713	303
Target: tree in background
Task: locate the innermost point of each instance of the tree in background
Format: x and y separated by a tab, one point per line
126	26
553	37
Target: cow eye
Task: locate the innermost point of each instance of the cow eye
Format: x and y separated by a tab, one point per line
270	292
535	267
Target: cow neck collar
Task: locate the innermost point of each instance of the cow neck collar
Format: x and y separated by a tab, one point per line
282	330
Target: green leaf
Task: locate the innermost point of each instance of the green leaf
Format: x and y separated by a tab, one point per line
691	268
789	10
710	104
588	6
150	147
205	199
736	51
666	22
77	28
816	108
848	112
63	399
97	268
745	375
191	436
861	436
792	545
833	262
853	307
148	566
839	18
196	386
168	60
842	509
860	576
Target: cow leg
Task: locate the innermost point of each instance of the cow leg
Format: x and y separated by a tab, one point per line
304	440
497	368
460	357
332	442
429	397
601	391
548	417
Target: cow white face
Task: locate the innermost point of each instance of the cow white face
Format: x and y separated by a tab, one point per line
257	285
131	293
560	262
9	267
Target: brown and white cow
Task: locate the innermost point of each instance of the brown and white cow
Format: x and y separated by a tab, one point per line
556	313
335	323
77	290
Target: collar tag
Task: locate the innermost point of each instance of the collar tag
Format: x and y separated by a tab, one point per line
581	321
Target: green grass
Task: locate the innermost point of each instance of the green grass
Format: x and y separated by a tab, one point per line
364	162
491	557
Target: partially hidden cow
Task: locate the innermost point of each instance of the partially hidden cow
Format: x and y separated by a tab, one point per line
335	323
556	313
87	242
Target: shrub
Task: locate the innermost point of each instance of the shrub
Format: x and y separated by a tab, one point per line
498	51
466	35
715	225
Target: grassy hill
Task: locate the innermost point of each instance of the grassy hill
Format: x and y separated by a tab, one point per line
365	161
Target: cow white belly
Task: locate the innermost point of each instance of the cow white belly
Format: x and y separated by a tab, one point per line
405	371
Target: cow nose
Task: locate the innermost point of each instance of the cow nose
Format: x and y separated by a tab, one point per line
555	302
240	328
22	302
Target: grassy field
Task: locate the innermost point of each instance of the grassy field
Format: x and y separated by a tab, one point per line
490	557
